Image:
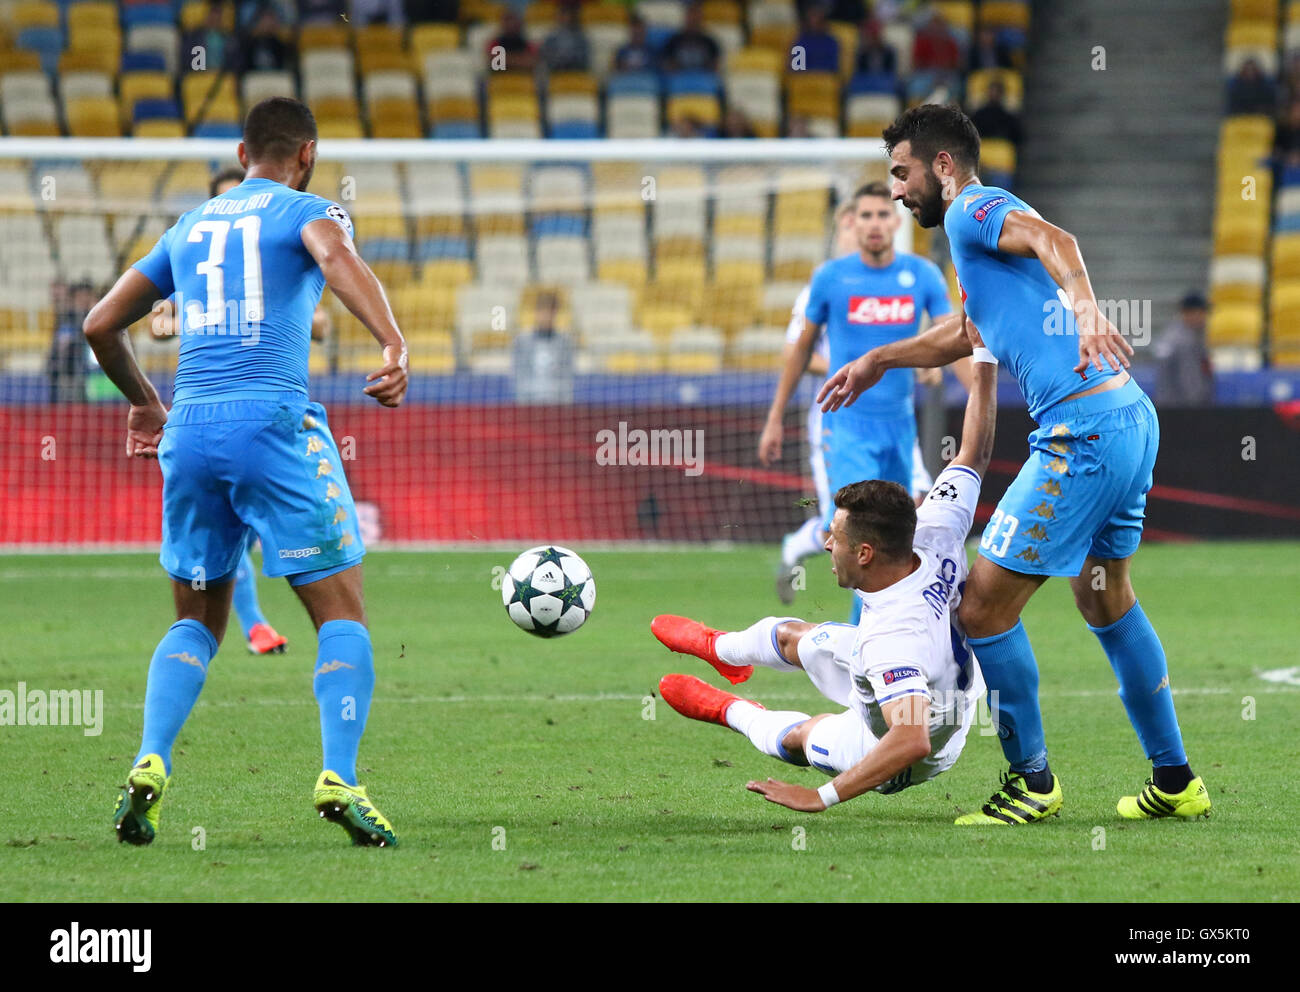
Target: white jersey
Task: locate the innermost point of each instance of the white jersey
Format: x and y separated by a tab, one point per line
821	349
909	640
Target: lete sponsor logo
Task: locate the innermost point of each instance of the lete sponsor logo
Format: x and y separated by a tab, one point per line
881	310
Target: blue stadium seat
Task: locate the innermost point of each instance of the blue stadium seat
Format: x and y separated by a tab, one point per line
1290	176
575	130
431	249
1013	38
384	249
218	129
693	81
873	82
1287	225
456	130
560	225
646	83
657	35
143	62
152	13
47	42
148	110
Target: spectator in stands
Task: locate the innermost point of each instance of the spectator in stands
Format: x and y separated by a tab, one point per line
986	52
566	49
875	55
935	49
70	361
365	12
992	118
636	55
210	45
1286	140
820	49
1185	376
430	11
322	11
263	45
510	49
736	125
692	47
249	11
1250	91
543	361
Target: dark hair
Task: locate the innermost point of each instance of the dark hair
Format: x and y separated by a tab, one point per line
275	129
224	176
881	514
933	128
872	189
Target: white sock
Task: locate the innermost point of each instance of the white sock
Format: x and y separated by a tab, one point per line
755	645
803	543
765	728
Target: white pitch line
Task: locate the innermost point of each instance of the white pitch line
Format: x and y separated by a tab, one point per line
605	697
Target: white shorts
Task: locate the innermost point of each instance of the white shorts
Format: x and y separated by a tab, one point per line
839	742
817	462
921	481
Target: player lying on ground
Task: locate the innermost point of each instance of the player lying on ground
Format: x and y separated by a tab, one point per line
873	295
810	538
243	447
1077	506
905	674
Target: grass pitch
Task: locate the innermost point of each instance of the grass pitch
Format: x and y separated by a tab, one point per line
520	769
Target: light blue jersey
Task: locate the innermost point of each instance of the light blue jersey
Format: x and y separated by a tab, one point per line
245	288
1021	313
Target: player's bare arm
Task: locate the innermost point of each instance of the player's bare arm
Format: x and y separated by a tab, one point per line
981	412
817	365
361	292
131	298
797	357
906	742
1032	237
944	343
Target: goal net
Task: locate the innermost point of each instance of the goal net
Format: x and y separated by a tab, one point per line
595	332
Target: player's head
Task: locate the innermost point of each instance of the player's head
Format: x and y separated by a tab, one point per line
932	150
875	220
281	133
873	526
225	180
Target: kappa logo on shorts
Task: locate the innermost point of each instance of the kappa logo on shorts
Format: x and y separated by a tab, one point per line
895	674
298	552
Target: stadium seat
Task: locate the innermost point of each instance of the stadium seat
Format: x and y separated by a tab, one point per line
143	62
625	352
1254	10
696	351
502	260
161	39
77	85
633	116
998	155
1235	324
46	42
756	349
103	60
960	15
1236	279
210	97
1004	14
600	308
978	82
1286	257
315	36
619	236
94	117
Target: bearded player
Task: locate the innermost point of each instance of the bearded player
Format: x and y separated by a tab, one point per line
904	673
243	447
1077	505
868	297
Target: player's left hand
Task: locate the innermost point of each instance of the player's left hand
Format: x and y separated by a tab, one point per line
795	797
388	385
1098	339
144	430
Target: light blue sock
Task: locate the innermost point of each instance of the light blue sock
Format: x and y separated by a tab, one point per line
176	675
247	608
1007	661
344	682
855	611
1135	654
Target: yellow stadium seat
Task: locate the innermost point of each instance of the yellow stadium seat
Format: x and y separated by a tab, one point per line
426	38
847	35
453	108
135	86
194	13
692	362
323	36
978	82
20	60
1256	10
1242	235
604	12
94	117
1004	14
757	60
513	108
662	321
958	13
480	10
439	225
339	127
813	93
695	106
720	12
998	154
383	60
34	14
776	38
158	128
37	129
336	108
103	60
739	225
218	92
1247	131
1251	34
572	83
626	271
1286	257
395	119
1235	324
448	272
91	36
380	37
95	15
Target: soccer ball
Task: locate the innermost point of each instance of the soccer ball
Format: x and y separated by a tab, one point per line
548	591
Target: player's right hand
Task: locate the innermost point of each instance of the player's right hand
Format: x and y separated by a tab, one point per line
144	430
388	385
850	382
769	444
